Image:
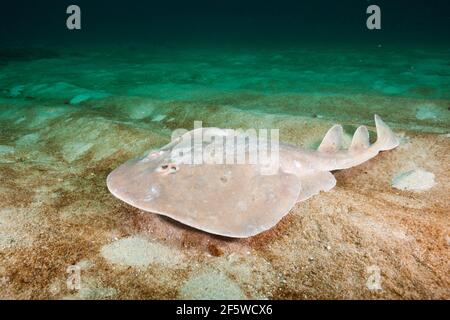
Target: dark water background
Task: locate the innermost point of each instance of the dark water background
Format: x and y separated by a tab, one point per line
306	58
220	22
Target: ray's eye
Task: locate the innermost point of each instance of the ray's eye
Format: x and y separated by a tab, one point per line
166	169
162	168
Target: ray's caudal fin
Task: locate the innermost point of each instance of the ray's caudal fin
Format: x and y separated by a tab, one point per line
386	139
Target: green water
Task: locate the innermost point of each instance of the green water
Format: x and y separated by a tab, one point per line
164	87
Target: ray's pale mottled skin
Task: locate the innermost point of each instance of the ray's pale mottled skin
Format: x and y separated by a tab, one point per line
238	200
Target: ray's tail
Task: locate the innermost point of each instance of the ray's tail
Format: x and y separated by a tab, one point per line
386	139
360	149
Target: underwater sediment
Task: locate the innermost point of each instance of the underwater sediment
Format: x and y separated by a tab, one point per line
64	129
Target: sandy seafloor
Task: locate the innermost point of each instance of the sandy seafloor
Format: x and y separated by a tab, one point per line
69	117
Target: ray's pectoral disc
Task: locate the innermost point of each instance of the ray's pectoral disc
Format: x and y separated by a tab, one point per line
229	200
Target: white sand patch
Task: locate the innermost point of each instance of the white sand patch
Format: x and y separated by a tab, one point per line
28	139
427	112
414	180
159	117
139	252
211	285
6	149
140	111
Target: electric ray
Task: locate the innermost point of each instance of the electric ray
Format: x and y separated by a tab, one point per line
238	200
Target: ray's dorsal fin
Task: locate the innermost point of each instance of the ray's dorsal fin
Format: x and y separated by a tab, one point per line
360	139
333	140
